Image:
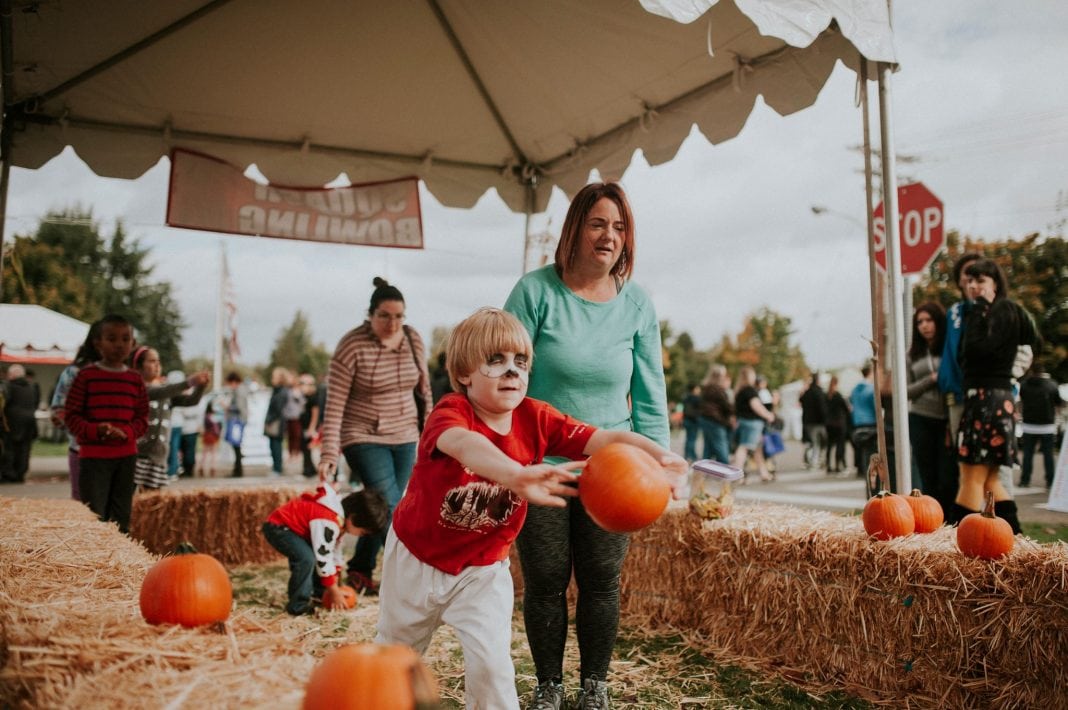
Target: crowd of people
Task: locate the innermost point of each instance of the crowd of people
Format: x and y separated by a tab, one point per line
454	467
735	426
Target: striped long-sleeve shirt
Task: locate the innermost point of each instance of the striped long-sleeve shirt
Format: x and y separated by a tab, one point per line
100	395
370	389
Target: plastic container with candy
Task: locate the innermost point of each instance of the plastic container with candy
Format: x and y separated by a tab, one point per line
711	495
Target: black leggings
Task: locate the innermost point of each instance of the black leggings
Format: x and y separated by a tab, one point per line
552	542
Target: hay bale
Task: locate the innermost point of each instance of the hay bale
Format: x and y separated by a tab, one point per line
71	633
223	522
807	595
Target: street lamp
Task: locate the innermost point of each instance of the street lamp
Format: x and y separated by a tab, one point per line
820	210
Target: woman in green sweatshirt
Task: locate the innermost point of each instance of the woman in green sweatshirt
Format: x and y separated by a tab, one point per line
597	357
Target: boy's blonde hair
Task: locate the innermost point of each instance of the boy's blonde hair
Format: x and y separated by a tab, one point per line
485	332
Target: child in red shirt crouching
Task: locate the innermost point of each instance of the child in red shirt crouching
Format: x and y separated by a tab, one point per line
479	464
308	531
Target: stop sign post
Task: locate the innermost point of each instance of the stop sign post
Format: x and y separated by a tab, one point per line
920	226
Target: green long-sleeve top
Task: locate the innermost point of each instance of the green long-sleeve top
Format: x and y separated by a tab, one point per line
588	356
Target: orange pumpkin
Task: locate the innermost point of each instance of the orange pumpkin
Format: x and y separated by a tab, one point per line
348	598
623	488
187	588
984	535
926	510
369	676
887	515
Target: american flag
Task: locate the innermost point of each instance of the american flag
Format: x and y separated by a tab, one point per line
230	345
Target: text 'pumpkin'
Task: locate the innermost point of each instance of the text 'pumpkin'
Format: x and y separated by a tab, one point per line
623	488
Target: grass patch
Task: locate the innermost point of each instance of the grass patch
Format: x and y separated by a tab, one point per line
42	447
1046	532
648	670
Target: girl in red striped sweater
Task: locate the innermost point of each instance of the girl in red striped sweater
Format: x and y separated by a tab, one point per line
107	410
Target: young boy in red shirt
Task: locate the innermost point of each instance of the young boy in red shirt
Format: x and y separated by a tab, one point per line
478	465
308	531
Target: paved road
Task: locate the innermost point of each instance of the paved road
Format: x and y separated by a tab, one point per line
793	485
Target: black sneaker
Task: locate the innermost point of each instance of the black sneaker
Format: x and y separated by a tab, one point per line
548	696
362	584
593	696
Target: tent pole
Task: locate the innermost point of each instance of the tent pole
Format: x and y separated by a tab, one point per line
896	335
220	296
7	124
5	178
532	192
874	277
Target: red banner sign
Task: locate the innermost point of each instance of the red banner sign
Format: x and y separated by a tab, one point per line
211	195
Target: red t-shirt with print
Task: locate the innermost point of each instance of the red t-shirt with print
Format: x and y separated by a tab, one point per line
450	517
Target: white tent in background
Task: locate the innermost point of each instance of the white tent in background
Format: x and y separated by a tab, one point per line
464	94
40	339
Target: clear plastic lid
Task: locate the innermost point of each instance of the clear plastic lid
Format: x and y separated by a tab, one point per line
718	470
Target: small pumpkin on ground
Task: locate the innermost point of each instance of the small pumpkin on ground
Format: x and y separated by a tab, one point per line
887	515
187	588
984	535
368	676
348	598
623	488
926	510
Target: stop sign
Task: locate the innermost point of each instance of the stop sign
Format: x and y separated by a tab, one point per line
919	227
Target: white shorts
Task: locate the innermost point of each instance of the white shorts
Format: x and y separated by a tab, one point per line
415	599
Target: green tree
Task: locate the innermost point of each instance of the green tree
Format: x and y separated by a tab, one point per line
295	350
70	267
764	344
684	364
1037	269
36	273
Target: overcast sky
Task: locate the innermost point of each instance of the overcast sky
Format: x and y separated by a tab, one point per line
722	230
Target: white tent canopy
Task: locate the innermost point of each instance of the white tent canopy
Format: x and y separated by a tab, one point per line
35	334
467	95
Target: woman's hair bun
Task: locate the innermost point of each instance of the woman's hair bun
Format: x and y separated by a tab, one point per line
380	282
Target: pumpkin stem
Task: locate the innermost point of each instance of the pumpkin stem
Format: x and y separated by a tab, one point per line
988	506
916	493
185	548
424	690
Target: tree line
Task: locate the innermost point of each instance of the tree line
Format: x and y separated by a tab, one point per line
67	265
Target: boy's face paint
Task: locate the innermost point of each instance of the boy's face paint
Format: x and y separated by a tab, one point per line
506	364
499	384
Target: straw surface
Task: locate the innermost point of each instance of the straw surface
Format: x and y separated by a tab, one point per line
221	522
807	595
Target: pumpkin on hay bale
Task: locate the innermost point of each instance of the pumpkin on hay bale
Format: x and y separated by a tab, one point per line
984	534
72	635
187	588
886	515
926	510
805	594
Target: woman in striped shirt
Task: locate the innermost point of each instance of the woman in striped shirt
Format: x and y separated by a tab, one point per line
371	416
